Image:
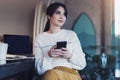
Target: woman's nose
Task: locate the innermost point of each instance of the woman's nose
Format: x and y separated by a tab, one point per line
62	16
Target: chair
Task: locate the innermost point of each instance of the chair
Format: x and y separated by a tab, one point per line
18	44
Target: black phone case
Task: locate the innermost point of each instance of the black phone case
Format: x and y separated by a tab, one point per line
61	44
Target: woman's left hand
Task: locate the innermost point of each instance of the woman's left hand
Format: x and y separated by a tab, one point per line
65	53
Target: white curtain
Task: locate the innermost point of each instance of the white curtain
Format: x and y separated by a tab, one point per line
40	18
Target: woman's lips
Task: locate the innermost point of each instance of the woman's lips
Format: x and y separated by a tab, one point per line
61	21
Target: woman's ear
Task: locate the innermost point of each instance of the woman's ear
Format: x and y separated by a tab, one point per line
48	17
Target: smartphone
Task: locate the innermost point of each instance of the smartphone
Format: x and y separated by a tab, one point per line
61	44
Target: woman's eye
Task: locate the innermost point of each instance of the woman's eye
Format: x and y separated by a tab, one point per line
60	13
57	12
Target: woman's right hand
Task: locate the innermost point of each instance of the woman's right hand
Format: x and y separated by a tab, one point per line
53	52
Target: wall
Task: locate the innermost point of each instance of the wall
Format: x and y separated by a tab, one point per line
92	8
101	13
16	16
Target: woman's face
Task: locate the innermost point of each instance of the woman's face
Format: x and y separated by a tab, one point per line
58	18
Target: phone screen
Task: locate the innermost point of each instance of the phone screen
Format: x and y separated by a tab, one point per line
61	44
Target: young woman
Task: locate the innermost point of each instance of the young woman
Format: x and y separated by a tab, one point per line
53	63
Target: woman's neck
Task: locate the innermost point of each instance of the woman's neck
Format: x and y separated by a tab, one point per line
54	29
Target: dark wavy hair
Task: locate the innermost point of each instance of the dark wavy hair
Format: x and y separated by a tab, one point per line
51	10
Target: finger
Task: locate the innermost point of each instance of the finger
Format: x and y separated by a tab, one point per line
53	47
64	49
57	50
64	52
55	55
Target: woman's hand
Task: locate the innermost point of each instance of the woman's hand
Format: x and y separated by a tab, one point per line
53	52
63	53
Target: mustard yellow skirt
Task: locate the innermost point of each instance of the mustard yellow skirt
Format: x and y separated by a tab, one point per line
61	73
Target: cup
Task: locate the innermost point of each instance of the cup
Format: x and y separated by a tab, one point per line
3	53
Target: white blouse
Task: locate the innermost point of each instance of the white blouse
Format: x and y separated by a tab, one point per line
45	41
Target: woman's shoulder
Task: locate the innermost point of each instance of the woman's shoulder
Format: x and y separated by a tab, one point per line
71	32
40	35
